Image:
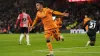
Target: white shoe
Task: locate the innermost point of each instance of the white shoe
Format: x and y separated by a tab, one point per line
28	44
50	54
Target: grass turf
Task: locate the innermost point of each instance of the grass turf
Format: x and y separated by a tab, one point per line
74	45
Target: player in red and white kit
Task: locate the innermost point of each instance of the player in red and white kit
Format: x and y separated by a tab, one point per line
24	20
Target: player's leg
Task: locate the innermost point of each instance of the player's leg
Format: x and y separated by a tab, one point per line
27	39
49	45
93	39
55	34
21	35
61	36
88	42
27	36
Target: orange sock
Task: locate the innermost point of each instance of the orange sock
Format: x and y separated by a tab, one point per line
49	46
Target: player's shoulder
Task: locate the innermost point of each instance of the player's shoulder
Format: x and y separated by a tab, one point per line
20	14
38	13
46	9
93	20
27	14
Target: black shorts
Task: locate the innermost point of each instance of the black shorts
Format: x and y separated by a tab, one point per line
24	29
92	36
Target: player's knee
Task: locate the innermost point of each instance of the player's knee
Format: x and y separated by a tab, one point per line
47	41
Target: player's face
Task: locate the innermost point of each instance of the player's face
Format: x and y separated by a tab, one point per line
38	6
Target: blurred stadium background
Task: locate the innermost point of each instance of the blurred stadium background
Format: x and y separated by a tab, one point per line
9	10
74	44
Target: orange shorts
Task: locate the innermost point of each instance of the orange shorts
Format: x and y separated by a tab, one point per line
52	32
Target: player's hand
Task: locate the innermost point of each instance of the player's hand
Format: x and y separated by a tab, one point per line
31	28
66	14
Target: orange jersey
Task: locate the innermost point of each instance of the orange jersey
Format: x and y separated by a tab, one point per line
58	22
85	20
46	16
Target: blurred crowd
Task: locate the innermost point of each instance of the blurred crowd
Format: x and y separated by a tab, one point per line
79	10
10	9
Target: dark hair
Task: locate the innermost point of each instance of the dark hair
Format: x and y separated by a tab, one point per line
40	2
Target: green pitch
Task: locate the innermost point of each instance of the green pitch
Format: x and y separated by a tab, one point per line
74	45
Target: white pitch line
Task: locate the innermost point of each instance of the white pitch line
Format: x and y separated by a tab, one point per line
7	40
67	50
71	48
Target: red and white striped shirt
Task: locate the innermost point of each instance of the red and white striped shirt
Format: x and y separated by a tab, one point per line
24	19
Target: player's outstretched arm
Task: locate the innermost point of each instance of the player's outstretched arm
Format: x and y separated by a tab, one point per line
61	14
35	21
58	13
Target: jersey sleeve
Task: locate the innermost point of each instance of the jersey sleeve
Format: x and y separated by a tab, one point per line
55	12
50	10
18	17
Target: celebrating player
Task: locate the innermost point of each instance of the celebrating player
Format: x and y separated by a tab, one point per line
25	20
93	27
50	28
